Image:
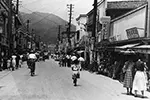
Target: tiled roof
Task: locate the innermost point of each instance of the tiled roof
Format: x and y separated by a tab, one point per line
125	4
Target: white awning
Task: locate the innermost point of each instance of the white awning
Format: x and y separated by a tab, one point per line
126	46
142	47
145	49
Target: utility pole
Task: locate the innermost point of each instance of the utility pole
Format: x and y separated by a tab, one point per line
17	7
94	29
10	36
28	21
32	38
148	28
59	27
39	43
69	24
148	20
59	38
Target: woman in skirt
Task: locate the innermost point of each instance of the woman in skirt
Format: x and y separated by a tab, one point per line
128	79
139	83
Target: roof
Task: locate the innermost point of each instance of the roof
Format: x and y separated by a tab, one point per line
81	15
90	12
125	4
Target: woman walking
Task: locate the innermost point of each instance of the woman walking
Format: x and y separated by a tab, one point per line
128	79
139	83
14	61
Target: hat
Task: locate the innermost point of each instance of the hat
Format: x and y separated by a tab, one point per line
81	59
73	58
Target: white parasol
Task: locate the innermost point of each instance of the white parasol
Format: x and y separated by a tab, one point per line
73	58
81	59
80	51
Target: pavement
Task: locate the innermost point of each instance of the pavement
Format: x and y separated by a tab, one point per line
4	73
54	83
7	72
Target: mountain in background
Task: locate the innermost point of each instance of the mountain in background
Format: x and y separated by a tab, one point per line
46	25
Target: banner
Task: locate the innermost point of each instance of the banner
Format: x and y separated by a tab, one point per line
105	26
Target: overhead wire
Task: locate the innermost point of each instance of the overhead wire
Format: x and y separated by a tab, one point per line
30	2
41	16
45	16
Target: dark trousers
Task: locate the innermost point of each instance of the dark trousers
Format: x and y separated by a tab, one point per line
32	67
68	63
17	64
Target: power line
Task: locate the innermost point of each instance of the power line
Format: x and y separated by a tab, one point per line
45	16
41	16
30	2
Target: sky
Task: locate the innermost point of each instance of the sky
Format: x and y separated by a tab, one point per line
58	7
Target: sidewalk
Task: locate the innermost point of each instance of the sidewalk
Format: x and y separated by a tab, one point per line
113	88
7	72
4	73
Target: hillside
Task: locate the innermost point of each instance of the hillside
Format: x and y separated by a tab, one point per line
46	25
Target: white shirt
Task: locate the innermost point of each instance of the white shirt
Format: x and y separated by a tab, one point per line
21	56
14	57
32	56
67	56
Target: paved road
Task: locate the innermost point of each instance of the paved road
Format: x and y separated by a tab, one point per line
54	83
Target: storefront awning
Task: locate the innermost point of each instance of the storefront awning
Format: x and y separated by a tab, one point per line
118	48
142	49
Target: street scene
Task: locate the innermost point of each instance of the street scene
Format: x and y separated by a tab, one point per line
74	49
52	82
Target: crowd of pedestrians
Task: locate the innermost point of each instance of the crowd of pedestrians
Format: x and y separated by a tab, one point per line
135	77
132	72
11	63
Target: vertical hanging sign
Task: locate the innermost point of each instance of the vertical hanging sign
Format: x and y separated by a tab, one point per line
105	26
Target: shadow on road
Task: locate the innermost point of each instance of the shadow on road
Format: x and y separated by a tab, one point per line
1	87
78	85
138	96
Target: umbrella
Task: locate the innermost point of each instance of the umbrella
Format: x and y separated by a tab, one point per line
81	59
73	58
80	51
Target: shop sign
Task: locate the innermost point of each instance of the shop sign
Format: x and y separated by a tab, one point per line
1	30
92	40
105	19
105	26
132	33
1	20
112	38
29	45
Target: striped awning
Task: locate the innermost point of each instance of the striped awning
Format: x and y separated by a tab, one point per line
128	46
145	49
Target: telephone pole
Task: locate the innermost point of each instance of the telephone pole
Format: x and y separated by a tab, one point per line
10	36
94	30
70	6
59	27
28	40
32	38
148	20
28	21
17	7
148	27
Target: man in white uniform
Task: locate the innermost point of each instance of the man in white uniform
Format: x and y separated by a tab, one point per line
32	59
